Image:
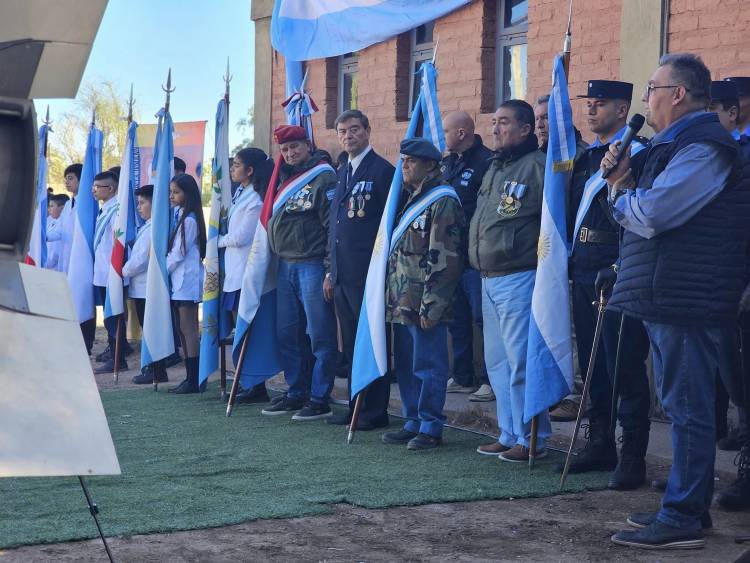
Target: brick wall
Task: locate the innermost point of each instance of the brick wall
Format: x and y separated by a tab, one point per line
717	30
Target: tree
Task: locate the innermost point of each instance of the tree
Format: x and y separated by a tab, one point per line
245	126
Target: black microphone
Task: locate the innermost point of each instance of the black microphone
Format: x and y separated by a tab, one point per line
635	124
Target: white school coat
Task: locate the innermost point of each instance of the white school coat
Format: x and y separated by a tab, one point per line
67	221
185	267
243	220
105	223
54	243
136	268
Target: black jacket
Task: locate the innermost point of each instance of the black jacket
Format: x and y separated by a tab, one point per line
465	172
355	216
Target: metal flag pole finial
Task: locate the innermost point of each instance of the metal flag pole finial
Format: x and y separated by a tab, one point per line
168	89
131	103
568	33
227	79
93	116
435	49
46	117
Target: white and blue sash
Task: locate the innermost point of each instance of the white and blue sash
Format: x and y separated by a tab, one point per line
296	184
102	222
593	186
415	209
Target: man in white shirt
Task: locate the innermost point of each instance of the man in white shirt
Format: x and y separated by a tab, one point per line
105	191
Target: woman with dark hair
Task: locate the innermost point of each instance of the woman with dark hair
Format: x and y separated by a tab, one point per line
187	248
251	169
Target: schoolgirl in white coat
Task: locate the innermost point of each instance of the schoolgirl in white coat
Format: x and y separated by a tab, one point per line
187	248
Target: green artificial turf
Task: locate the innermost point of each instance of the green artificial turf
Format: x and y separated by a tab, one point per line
186	466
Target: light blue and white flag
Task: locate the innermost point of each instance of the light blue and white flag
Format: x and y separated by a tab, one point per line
303	30
216	324
81	267
125	223
549	357
158	339
37	255
370	355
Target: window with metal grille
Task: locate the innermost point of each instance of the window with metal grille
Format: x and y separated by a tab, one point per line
348	81
510	49
422	49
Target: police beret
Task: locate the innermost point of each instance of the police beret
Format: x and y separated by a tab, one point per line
609	90
420	148
288	133
147	190
724	90
743	84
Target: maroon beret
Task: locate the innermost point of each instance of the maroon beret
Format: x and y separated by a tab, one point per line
288	133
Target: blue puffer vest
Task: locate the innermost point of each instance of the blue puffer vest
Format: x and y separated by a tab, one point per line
692	275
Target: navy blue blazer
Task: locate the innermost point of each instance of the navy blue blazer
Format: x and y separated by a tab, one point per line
356	210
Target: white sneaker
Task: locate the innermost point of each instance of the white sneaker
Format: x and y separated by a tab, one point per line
454	387
483	394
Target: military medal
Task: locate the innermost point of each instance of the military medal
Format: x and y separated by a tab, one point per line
308	204
350	212
361	213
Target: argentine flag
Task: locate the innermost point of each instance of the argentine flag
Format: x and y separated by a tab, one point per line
370	355
215	319
125	223
158	340
81	267
37	255
549	358
303	29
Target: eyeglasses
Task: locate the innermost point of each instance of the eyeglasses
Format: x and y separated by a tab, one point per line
650	88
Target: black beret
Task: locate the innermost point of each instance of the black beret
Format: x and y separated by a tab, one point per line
147	190
609	90
743	84
421	148
724	90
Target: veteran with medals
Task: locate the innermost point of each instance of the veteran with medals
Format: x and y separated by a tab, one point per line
424	267
356	208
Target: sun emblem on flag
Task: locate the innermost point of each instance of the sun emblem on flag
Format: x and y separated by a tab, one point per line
378	248
543	246
211	282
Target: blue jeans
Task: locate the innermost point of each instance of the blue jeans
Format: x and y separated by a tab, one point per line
506	311
686	362
467	312
423	355
300	303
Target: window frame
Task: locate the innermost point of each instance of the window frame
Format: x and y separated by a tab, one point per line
418	53
507	37
348	65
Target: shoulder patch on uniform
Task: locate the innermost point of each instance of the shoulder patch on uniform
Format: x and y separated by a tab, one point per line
330	194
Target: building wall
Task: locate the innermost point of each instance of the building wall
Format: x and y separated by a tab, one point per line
718	30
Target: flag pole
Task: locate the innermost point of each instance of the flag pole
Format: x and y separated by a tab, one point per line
566	66
168	89
238	373
223	360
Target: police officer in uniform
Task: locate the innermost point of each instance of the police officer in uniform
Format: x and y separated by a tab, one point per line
463	168
595	250
364	180
743	95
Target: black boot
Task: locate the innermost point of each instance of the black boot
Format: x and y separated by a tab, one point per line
599	453
737	495
191	382
630	472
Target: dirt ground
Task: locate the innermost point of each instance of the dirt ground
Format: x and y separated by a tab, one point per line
565	528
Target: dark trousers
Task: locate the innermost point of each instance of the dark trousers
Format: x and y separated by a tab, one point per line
467	313
110	323
140	311
88	330
633	387
347	300
686	362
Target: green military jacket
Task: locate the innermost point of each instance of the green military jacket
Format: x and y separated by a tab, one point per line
299	231
426	264
504	232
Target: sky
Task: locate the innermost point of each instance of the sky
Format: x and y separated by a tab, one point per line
139	40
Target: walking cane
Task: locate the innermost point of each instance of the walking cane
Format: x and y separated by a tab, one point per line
602	303
237	373
616	379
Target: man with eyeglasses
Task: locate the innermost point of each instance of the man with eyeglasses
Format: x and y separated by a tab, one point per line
684	202
364	179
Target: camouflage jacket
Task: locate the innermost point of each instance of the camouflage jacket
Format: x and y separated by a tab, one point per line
426	264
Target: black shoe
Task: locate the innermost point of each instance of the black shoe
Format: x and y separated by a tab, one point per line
599	453
340	419
127	349
731	443
278	398
104	356
190	385
178	388
737	495
424	442
284	406
109	366
313	411
400	437
628	475
257	394
172	360
659	485
660	536
643	519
